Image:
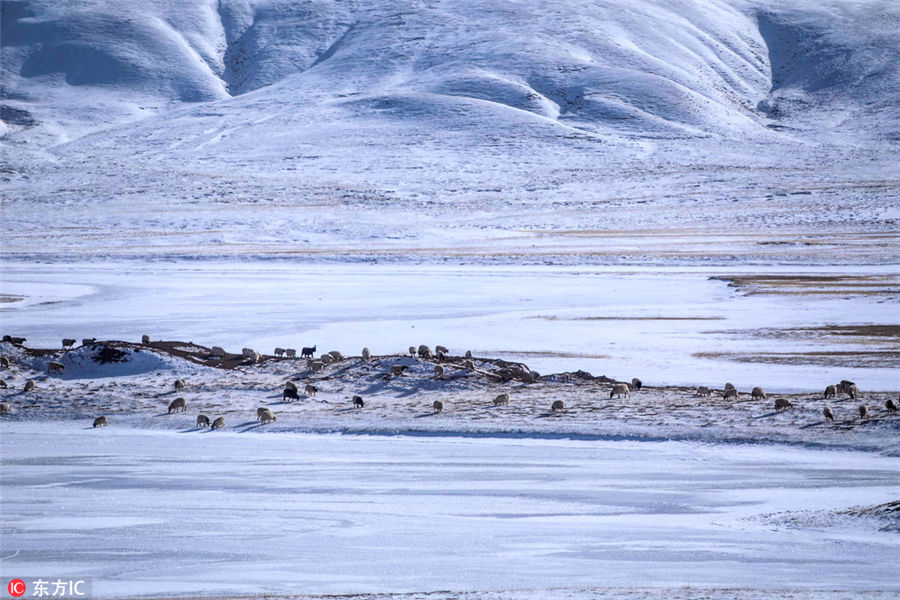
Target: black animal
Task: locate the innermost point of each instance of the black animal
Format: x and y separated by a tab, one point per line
290	394
636	384
307	352
890	406
358	402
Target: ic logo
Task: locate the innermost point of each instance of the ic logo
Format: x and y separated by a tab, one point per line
16	588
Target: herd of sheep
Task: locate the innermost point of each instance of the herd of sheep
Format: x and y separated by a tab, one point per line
291	391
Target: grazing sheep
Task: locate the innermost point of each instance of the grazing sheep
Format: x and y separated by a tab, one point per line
844	386
310	390
55	367
782	404
829	414
424	351
326	359
179	385
315	365
468	354
264	415
358	402
202	421
2	384
178	403
88	341
830	391
557	405
397	370
758	392
501	399
729	386
852	391
890	405
290	385
469	365
438	406
259	412
291	352
145	340
100	422
4	408
438	372
4	362
636	384
68	343
441	349
290	394
366	354
307	352
703	391
218	423
730	393
863	411
336	355
619	389
29	385
217	352
279	351
412	350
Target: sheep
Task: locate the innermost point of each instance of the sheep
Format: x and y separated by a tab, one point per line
4	408
264	415
310	390
326	359
557	406
830	391
2	384
468	354
890	405
290	394
202	421
358	402
829	414
469	365
438	372
291	352
68	343
55	367
441	349
253	358
218	423
863	411
852	391
179	385
366	354
438	406
424	351
279	351
315	365
703	391
636	384
100	422
782	404
29	385
501	399
758	392
4	362
259	412
145	339
730	393
619	389
336	355
246	352
412	350
88	341
290	385
176	404
217	352
307	352
397	370
844	386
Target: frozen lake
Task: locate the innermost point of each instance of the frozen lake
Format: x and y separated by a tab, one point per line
163	512
666	325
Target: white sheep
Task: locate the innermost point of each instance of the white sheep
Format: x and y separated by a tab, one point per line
336	355
830	391
202	421
145	340
310	390
424	351
218	423
279	351
501	399
29	385
260	411
703	391
366	354
782	404
829	414
55	367
619	389
438	372
178	403
267	417
326	359
68	343
852	391
438	406
100	422
4	408
179	385
315	365
758	392
291	352
557	406
863	412
441	349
